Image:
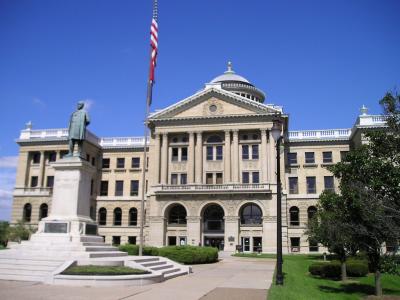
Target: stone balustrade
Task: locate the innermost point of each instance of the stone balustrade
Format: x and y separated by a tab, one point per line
214	188
33	191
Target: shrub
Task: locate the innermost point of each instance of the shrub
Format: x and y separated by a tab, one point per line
316	269
190	254
130	249
357	268
326	270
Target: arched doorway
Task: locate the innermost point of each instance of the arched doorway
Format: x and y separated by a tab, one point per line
213	226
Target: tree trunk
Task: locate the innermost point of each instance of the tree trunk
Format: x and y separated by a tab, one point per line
343	269
378	286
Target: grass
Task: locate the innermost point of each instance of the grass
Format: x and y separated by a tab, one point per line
2	247
102	270
255	255
299	285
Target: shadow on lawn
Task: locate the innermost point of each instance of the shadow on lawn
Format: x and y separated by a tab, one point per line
351	288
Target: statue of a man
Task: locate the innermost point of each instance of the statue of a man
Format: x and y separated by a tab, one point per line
77	128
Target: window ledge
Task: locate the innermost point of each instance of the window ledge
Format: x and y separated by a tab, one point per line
310	165
119	170
135	169
292	165
327	164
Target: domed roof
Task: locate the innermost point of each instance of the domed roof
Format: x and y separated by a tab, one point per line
230	75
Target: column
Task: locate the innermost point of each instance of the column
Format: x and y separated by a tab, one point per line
58	157
235	158
157	152
199	158
191	158
164	159
272	158
193	230
264	156
231	233
227	157
42	165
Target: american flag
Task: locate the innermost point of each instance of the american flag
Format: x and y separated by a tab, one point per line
153	41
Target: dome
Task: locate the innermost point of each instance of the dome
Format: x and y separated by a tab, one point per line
230	75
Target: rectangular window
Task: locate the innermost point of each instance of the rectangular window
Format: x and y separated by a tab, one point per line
91	187
183	178
116	240
175	154
219	153
105	163
132	240
104	188
174	178
184	154
135	163
292	158
120	163
245	177
134	187
34	181
312	245
310	158
293	185
50	181
254	152
245	151
343	155
295	244
210	153
329	183
93	161
219	178
119	188
209	178
256	177
311	185
52	156
327	157
36	157
87	157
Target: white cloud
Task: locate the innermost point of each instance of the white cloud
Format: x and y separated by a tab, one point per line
8	165
8	162
39	102
88	103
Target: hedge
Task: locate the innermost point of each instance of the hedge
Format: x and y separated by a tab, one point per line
181	254
332	269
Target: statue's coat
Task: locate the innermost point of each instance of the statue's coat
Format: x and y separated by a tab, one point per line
77	125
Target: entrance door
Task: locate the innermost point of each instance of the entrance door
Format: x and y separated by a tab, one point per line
217	242
246	244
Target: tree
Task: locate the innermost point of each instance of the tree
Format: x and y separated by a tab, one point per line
19	232
4	233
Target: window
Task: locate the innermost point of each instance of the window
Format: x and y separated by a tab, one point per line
104	188
219	178
329	183
219	153
256	177
343	155
311	187
116	240
27	212
311	211
52	156
254	152
133	217
34	181
102	216
177	215
87	157
43	210
310	158
250	214
214	139
36	158
293	185
292	158
119	188
174	178
183	178
210	153
50	181
295	244
93	161
245	177
327	157
312	245
135	162
209	178
117	217
105	163
294	216
171	240
175	153
134	187
120	163
245	151
184	154
132	240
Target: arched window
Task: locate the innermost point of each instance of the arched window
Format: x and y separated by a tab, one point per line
102	216
250	214
117	216
43	210
294	216
311	211
27	213
133	217
214	139
213	218
177	215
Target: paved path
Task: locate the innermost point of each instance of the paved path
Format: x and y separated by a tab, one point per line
232	278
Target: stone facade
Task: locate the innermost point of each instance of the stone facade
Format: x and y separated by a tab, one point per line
210	174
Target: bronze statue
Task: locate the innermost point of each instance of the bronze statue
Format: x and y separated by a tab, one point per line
77	129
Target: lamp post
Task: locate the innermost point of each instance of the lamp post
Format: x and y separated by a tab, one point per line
276	134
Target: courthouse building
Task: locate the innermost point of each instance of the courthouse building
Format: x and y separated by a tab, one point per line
210	172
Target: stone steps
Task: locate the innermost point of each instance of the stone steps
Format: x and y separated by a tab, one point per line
107	254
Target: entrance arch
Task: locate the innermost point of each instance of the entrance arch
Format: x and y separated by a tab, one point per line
213	226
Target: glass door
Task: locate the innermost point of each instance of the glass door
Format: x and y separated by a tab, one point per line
246	244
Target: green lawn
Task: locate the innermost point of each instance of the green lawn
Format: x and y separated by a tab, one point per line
2	247
255	255
299	285
102	270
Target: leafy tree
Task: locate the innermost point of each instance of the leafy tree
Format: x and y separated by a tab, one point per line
4	233
20	232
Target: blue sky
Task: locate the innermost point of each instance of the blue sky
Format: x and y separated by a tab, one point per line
320	60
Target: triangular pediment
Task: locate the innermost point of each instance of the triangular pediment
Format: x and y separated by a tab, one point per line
213	102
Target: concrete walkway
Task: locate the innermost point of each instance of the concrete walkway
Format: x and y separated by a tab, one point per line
232	278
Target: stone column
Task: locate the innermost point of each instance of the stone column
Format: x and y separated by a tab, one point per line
264	156
58	157
191	158
42	166
269	234
231	231
193	230
199	158
157	231
235	158
164	159
272	159
227	157
157	151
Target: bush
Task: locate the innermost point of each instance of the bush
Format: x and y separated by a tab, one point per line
325	270
20	232
134	250
316	269
357	268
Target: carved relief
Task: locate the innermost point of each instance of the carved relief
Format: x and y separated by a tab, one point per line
213	107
